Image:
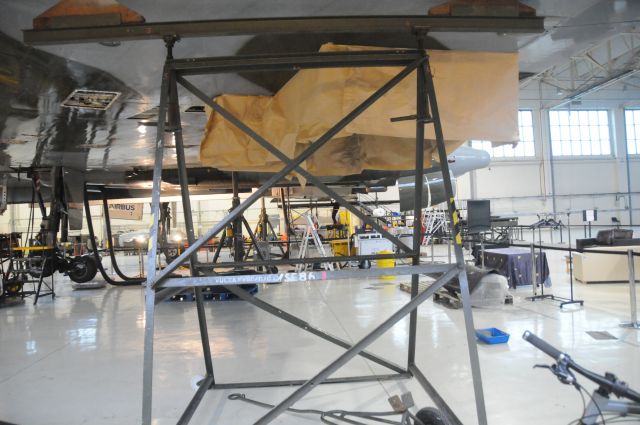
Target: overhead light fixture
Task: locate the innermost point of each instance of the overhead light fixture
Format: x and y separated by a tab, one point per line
559	92
195	108
146	115
90	99
142	129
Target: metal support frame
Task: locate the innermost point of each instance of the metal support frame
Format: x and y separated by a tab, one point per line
50	288
256	26
412	60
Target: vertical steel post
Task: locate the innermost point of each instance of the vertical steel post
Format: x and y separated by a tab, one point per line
287	225
534	272
455	223
175	124
421	113
147	373
238	242
632	293
570	252
221	241
264	221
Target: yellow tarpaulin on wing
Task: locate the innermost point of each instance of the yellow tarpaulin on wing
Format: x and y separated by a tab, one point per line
477	95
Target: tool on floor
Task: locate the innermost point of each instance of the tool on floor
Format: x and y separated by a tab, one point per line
400	404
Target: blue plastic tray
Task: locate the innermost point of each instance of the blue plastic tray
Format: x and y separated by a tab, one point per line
492	336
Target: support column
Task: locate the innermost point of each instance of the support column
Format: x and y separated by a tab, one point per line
421	115
176	125
238	242
147	373
462	273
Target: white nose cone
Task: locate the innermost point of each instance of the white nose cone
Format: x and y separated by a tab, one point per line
466	159
484	159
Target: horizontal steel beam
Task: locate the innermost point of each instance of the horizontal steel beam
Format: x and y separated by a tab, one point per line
307	260
186	282
238	27
293	62
296	382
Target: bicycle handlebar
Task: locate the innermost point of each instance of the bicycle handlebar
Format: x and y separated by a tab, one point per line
615	386
542	345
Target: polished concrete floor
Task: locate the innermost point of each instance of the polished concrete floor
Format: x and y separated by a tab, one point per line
78	359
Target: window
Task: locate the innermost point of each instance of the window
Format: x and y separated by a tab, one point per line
579	133
632	121
524	149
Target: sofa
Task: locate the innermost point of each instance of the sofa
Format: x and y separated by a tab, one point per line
591	267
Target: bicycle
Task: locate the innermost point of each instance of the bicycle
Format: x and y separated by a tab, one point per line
600	403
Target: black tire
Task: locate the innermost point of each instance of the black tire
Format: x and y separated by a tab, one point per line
83	269
364	264
430	416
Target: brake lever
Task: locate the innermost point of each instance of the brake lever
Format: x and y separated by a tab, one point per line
542	366
561	371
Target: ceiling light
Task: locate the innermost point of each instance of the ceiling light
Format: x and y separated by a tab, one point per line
91	99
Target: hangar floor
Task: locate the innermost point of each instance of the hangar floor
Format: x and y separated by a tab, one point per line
78	359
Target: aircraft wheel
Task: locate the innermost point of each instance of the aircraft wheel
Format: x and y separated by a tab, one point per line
83	269
170	254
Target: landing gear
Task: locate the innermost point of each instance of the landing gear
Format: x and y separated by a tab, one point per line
170	253
82	269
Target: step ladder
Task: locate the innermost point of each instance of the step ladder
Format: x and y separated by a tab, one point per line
311	233
432	221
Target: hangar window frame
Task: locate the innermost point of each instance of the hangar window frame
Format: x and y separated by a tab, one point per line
580	133
525	150
632	138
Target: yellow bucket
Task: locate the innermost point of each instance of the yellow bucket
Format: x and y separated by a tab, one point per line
387	264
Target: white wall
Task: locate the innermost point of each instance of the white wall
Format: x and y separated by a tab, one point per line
552	185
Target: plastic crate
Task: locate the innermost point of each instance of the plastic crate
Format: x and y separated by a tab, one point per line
340	248
492	336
